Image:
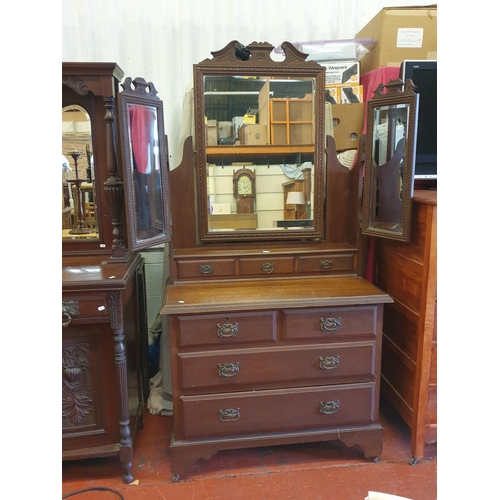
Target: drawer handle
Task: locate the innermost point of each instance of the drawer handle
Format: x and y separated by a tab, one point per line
229	415
329	362
227	330
329	407
267	267
206	269
325	264
229	369
66	319
330	324
69	307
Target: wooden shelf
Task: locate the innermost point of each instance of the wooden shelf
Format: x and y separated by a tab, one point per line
267	149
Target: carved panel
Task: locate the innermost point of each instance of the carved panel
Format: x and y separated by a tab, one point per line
77	404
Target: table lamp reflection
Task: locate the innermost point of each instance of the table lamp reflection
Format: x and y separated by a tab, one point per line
295	198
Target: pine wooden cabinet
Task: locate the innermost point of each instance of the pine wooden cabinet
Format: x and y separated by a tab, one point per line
407	272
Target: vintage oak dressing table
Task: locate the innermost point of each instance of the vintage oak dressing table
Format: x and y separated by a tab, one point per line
275	337
104	320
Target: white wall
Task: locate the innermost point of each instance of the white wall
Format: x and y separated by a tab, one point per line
160	40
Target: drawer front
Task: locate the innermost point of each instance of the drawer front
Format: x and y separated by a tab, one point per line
311	365
206	268
225	330
267	266
81	308
330	323
327	264
256	412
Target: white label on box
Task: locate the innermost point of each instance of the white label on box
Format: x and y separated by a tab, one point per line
410	37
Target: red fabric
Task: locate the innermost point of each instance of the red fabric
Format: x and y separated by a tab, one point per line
140	132
370	81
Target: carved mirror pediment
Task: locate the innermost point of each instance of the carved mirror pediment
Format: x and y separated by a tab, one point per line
390	160
267	117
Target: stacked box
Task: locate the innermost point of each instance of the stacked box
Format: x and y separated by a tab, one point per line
400	33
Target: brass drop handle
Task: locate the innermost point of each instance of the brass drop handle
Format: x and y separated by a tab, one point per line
325	264
229	369
227	330
329	407
267	267
328	362
66	319
69	309
229	415
206	269
330	324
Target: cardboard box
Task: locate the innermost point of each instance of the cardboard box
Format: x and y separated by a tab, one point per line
341	72
253	135
347	125
400	33
211	133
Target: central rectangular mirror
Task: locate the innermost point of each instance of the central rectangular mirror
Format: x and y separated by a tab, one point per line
259	144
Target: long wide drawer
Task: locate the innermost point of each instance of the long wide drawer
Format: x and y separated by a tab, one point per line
283	410
225	329
303	365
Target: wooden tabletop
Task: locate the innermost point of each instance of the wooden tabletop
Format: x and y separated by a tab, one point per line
259	294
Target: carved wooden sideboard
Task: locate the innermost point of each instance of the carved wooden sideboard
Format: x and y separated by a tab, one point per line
104	344
104	313
408	272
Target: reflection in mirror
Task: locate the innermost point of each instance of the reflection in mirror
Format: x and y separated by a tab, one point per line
272	122
145	171
79	208
390	162
145	156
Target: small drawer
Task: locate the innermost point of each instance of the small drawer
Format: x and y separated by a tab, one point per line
300	365
281	410
225	329
268	266
82	308
205	268
327	264
330	323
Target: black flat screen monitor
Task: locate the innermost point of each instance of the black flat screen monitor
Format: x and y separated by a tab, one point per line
424	75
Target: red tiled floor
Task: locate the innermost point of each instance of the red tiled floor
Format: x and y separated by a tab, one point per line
312	471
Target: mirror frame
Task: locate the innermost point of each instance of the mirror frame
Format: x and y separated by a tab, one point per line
258	62
138	91
395	95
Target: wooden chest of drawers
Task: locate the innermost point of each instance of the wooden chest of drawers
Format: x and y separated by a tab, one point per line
274	362
408	272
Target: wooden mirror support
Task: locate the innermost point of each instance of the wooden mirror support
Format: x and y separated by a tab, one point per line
390	161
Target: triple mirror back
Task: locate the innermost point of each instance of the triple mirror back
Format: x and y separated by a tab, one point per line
259	140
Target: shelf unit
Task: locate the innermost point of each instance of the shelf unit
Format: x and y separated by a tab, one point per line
291	121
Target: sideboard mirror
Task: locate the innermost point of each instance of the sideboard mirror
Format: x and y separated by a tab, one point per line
115	163
390	160
259	134
145	161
